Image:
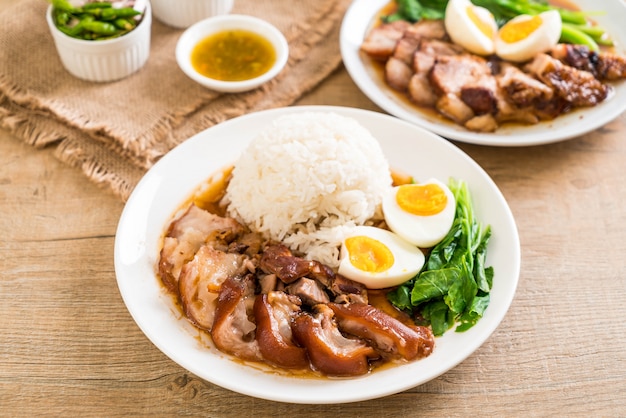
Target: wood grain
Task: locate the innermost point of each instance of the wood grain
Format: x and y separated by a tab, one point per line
68	345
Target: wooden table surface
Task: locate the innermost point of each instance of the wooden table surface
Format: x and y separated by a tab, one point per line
68	345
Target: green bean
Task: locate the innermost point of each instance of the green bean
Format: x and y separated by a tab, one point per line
93	21
97	5
572	35
100	28
125	24
63	5
111	14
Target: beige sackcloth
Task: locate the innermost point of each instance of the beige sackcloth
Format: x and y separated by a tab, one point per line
114	132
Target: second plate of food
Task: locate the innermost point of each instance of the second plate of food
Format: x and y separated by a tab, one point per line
368	76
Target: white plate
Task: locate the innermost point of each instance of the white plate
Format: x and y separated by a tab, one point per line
356	24
166	186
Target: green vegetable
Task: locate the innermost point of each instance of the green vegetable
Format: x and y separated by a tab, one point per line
575	29
454	285
93	20
572	35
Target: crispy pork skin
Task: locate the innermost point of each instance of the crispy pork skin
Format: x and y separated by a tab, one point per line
520	88
329	351
187	234
233	332
274	313
200	281
580	88
605	66
384	331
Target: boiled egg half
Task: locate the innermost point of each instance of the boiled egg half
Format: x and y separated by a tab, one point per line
378	258
421	213
472	27
524	36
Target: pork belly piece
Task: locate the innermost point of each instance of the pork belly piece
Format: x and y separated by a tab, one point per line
466	87
187	234
398	74
201	279
451	106
605	66
406	47
381	41
420	92
453	72
580	88
274	313
482	123
233	332
429	50
329	351
385	332
520	88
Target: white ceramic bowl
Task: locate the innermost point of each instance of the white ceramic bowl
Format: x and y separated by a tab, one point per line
105	60
194	34
184	13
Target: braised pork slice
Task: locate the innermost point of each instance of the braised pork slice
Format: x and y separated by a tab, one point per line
185	235
381	41
310	291
384	331
233	332
200	281
279	260
274	313
398	74
329	351
580	88
521	89
603	65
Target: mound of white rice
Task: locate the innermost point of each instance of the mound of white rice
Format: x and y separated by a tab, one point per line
307	179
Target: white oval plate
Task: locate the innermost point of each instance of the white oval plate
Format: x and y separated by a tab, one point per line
356	24
172	180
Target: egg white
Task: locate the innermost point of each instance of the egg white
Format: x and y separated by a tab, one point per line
540	40
464	32
422	231
408	260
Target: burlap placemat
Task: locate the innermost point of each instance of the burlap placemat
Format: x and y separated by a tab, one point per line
115	131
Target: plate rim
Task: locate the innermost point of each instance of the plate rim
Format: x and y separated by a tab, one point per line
532	135
148	185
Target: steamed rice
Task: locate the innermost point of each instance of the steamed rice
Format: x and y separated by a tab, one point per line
308	179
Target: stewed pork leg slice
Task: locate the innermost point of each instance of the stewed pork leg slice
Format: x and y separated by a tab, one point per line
384	331
274	313
200	281
233	332
329	351
186	234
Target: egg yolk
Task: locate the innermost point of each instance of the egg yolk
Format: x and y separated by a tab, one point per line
516	31
485	28
368	254
421	199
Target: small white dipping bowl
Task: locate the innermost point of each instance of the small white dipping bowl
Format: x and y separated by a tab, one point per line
184	13
104	60
197	32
